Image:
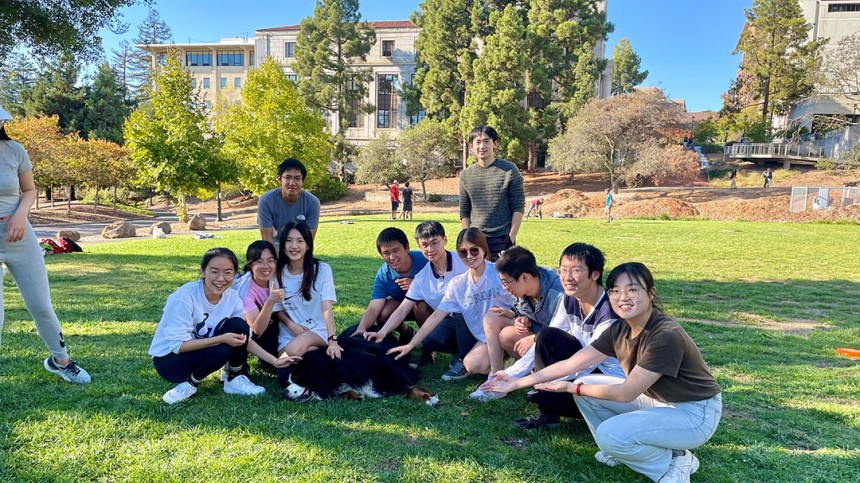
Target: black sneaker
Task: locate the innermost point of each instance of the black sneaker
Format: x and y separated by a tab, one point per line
542	421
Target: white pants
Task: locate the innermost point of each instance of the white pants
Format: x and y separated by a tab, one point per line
642	434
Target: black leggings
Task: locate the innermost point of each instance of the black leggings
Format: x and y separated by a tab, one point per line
451	336
177	368
553	345
268	340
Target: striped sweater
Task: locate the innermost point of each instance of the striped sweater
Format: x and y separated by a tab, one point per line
489	196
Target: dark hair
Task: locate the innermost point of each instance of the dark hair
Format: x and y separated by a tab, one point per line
483	130
219	252
516	261
310	265
637	272
3	135
590	255
292	163
255	252
429	229
407	184
391	235
475	237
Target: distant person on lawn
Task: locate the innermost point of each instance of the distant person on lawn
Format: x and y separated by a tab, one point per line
395	199
406	195
536	206
203	328
22	255
491	193
608	209
669	403
290	202
768	177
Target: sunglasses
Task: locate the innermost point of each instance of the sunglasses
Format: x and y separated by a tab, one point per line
474	252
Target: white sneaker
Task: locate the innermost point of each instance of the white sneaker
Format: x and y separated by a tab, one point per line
181	392
606	459
71	372
486	396
243	386
225	374
681	468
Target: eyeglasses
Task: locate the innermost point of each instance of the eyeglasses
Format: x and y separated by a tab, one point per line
292	179
264	261
430	244
563	272
505	283
473	251
632	293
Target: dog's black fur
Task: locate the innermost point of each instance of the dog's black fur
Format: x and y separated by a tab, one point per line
362	364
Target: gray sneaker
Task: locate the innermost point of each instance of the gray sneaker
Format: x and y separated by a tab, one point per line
456	373
71	372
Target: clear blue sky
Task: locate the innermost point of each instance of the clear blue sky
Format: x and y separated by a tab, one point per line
685	46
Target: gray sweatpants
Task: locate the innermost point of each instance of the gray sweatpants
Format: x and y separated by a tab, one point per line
24	260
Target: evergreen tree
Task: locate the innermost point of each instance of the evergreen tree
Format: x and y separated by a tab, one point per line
17	74
777	52
585	76
625	68
55	93
122	65
329	45
106	110
138	69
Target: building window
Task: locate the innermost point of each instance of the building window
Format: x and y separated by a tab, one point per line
844	7
206	83
237	82
234	58
357	118
193	83
293	77
198	58
289	50
387	48
386	100
251	59
223	82
161	59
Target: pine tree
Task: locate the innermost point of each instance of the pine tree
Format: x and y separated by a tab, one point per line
625	68
17	74
106	110
329	45
121	66
151	31
55	93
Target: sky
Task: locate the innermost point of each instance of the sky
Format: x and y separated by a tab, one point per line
685	45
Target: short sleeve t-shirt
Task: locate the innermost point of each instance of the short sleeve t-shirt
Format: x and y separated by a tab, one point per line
256	297
429	287
393	193
13	161
308	312
384	285
474	299
663	347
273	211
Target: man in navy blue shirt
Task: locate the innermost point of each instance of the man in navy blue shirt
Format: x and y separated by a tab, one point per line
392	281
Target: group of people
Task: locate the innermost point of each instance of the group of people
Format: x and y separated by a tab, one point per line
400	198
607	355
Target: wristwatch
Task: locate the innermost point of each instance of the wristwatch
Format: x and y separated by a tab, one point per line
332	338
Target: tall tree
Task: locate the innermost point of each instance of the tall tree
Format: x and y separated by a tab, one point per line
17	74
48	27
377	162
585	76
430	150
625	68
777	51
329	46
170	139
153	30
106	109
841	69
121	63
55	92
272	122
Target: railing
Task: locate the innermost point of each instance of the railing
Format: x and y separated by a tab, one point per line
777	150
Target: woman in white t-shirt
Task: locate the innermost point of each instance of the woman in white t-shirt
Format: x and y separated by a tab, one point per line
309	294
202	329
472	294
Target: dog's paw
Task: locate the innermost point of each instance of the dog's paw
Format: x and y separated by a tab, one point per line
432	401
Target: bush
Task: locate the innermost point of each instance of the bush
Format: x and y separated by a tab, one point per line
328	188
712	148
433	198
123	195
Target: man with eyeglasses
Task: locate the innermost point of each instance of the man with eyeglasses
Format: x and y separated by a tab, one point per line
583	313
290	202
537	291
452	335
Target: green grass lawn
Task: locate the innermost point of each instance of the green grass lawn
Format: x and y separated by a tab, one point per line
767	303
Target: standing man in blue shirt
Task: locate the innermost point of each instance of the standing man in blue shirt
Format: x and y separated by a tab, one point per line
290	202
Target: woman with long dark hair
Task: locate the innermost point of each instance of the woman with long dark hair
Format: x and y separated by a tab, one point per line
669	403
21	254
309	294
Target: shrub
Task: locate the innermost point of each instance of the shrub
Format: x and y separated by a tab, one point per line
328	188
434	198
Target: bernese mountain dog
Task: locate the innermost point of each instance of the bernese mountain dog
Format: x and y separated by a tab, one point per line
363	371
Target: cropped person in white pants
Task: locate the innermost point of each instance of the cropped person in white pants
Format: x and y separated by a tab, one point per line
21	254
669	403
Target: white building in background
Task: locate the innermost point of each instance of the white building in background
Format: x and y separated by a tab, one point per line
833	20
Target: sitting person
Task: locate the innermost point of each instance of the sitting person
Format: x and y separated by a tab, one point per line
308	286
391	283
428	288
581	316
472	294
538	292
669	403
202	329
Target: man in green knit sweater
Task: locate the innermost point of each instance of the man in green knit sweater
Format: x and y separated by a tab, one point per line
491	193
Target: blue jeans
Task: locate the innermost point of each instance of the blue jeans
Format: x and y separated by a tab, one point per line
642	434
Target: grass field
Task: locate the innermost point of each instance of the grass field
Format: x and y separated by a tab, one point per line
767	304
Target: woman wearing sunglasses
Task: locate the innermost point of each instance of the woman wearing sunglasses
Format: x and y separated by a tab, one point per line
472	294
308	286
669	402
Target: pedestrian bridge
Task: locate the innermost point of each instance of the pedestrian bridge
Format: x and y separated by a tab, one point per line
787	153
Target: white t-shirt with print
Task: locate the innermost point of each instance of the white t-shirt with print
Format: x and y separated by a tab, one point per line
429	287
307	313
475	298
